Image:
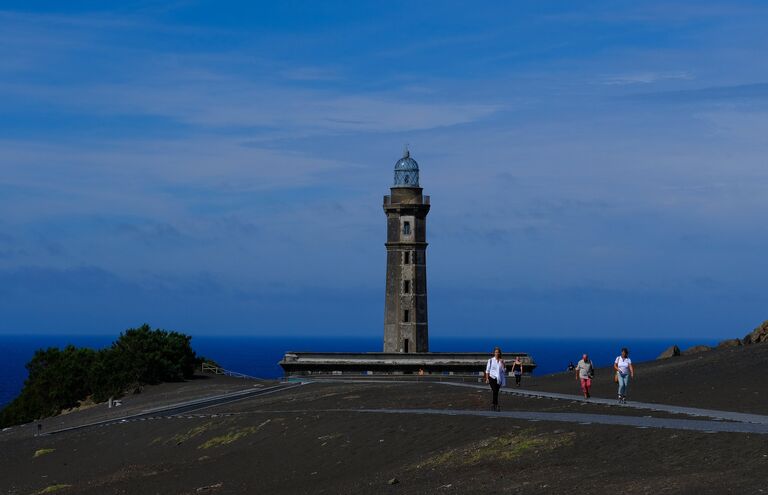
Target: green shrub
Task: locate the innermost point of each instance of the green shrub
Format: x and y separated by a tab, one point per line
61	378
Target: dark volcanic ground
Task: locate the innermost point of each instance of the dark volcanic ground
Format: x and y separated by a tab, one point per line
733	379
311	440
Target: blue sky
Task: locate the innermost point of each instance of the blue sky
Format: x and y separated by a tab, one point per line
218	168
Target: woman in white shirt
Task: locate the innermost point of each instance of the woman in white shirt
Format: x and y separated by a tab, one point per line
495	375
624	371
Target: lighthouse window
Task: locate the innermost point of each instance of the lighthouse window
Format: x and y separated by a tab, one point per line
407	258
406	316
406	228
407	287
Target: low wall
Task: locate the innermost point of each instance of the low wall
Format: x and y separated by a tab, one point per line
384	363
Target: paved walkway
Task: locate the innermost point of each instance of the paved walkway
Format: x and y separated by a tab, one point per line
182	408
691	411
534	416
735	422
650	406
602	419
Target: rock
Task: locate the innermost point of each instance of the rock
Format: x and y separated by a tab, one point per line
393	481
209	488
758	335
670	352
729	343
697	349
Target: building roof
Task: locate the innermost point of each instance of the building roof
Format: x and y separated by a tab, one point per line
406	171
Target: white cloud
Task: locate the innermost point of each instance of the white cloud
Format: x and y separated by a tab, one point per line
232	102
644	77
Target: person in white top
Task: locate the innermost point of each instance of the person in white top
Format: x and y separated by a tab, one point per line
585	370
496	376
624	371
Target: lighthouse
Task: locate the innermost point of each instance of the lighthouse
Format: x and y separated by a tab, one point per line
406	336
405	301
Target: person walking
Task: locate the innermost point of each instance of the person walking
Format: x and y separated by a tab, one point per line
584	373
495	376
517	370
624	371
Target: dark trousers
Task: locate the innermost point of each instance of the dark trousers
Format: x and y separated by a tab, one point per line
495	387
517	379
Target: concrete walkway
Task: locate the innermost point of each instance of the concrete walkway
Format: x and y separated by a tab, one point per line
734	422
691	411
650	406
182	407
601	419
534	416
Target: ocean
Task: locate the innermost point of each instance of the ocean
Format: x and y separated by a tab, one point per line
258	356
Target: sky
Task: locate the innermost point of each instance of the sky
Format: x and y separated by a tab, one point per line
596	169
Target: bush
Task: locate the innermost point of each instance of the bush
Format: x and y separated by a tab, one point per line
155	356
61	378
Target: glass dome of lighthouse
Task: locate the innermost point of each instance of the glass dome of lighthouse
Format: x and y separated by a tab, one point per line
406	171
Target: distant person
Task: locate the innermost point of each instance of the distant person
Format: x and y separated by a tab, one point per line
571	366
495	375
584	373
517	370
624	371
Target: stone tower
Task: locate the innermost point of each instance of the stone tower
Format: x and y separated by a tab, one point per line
405	305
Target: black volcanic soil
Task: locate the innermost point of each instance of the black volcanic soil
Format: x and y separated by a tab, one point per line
291	443
733	379
153	397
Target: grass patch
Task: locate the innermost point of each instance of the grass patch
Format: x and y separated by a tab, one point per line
231	436
53	488
41	452
188	435
502	448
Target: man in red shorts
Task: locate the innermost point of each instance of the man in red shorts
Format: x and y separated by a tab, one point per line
584	372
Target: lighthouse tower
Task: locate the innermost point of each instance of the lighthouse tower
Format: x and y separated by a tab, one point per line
405	303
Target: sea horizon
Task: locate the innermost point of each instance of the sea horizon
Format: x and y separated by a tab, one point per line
258	355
